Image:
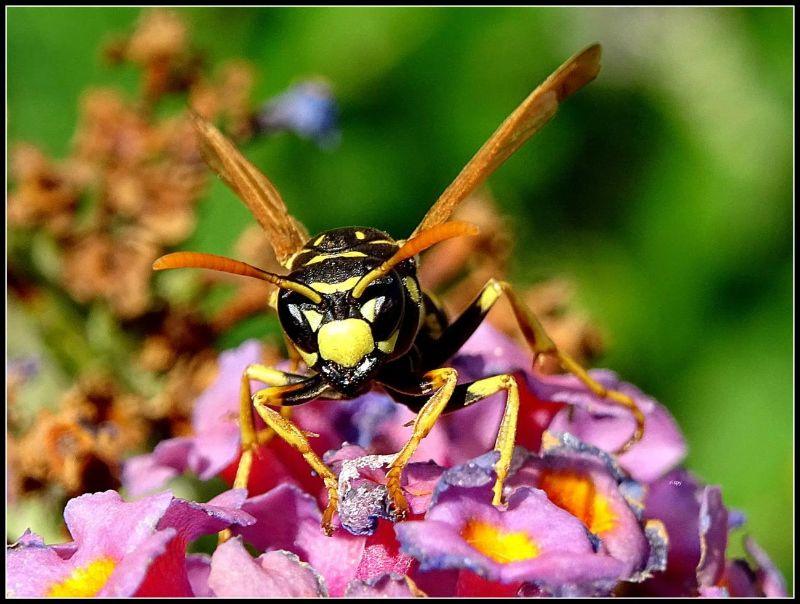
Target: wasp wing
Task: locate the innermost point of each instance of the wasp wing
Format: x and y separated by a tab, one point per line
285	233
534	112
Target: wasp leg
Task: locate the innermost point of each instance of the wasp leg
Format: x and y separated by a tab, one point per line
467	394
461	396
293	435
283	384
250	438
441	382
454	337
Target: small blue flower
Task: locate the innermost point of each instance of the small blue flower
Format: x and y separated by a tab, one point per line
308	109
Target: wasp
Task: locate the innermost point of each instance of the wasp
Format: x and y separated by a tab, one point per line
351	306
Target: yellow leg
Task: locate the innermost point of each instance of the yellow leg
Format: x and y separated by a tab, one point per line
443	381
297	439
540	343
506	433
250	438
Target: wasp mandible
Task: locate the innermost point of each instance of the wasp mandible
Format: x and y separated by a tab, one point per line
351	306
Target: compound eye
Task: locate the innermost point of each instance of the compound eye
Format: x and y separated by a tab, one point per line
383	307
300	318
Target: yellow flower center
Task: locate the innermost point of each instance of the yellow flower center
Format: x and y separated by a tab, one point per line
85	581
498	545
576	493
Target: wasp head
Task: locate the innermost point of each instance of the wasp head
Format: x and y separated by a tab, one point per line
343	336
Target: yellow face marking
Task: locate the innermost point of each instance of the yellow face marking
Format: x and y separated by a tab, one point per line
489	296
383	241
368	309
86	581
387	346
360	235
329	288
321	257
314	318
345	342
309	358
413	289
319	240
497	544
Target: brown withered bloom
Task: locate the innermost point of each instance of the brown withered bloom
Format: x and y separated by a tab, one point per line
115	269
160	46
125	194
227	96
79	447
458	268
44	196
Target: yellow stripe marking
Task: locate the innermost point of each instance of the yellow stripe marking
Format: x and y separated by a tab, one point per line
321	257
290	260
329	288
319	240
413	289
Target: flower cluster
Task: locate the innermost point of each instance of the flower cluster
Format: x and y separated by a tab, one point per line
576	520
84	231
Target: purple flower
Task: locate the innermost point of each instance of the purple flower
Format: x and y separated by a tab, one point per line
234	573
308	109
698	524
578	521
296	529
215	442
589	484
215	445
532	540
740	579
383	586
597	422
120	548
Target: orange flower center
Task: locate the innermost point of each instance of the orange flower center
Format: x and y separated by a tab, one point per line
85	581
576	493
500	546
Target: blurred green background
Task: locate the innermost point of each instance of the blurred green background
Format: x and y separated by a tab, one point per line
664	189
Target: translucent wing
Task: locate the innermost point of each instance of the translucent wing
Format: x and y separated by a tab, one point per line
524	122
285	233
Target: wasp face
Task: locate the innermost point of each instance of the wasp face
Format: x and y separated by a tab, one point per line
345	338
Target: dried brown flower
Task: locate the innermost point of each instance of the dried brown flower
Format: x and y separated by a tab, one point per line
160	46
79	447
116	269
45	196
